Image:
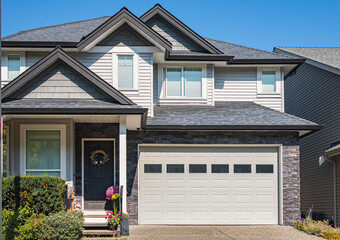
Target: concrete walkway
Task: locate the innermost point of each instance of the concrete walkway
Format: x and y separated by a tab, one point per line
152	232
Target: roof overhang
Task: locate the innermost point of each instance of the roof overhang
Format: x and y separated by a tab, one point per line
170	56
117	20
37	44
266	61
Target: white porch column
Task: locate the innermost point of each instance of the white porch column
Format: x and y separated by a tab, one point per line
122	159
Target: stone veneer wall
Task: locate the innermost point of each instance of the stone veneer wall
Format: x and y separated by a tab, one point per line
92	130
290	154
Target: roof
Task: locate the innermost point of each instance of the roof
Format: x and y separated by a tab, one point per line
56	56
326	55
226	116
70	34
68	106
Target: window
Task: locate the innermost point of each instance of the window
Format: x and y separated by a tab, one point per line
264	168
125	72
220	168
13	65
197	168
43	150
152	168
175	168
184	82
242	168
268	81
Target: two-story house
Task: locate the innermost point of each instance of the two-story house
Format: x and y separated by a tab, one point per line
193	128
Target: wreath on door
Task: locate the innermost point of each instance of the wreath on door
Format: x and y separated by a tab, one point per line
99	158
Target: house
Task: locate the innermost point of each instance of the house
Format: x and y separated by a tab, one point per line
312	93
194	129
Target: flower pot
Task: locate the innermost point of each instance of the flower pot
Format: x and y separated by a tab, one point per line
124	227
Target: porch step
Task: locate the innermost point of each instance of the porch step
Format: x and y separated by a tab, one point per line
100	233
95	224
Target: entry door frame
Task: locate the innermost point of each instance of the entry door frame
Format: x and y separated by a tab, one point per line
279	165
82	164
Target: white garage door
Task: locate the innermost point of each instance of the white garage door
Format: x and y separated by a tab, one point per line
208	185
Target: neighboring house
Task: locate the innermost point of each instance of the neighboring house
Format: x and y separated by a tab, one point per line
312	92
193	128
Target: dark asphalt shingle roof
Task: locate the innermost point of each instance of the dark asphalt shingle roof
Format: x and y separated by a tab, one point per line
75	31
65	104
224	114
326	55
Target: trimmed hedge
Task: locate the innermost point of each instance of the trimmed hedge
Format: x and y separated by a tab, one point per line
42	194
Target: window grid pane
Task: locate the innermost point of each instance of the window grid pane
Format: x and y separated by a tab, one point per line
268	81
174	82
264	168
125	71
192	82
43	173
152	168
197	168
220	168
242	168
13	66
175	168
43	149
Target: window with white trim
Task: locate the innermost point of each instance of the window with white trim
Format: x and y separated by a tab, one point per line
268	78
125	72
44	150
184	82
13	66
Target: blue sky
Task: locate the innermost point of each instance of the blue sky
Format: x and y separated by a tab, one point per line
261	24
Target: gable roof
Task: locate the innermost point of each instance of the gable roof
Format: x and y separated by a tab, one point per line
159	10
326	55
59	55
226	116
123	14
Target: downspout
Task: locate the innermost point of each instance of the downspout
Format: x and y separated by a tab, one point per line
334	188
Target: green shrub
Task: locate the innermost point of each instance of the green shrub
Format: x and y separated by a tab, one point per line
62	225
21	223
42	194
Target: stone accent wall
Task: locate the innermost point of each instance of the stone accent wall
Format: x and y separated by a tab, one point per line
92	130
291	160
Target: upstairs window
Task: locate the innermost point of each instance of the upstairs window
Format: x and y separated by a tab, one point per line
268	81
13	66
184	82
125	72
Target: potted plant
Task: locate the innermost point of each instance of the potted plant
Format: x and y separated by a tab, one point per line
124	228
113	219
112	194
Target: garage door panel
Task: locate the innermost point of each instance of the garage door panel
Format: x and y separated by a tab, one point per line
218	196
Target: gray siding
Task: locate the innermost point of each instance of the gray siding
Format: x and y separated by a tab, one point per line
61	82
313	94
179	41
240	84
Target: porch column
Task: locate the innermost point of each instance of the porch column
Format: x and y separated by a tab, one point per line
122	159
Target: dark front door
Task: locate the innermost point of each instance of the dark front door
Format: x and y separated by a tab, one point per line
98	172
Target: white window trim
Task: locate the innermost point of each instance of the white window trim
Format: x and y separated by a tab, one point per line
61	128
278	80
4	67
163	90
135	68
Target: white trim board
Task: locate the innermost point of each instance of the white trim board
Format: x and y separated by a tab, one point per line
82	164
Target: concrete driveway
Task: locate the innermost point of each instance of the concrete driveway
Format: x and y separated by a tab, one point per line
152	232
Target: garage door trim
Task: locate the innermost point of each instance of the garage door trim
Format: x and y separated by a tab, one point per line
279	170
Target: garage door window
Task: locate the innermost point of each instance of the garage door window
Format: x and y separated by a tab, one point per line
219	168
197	168
242	168
264	168
152	168
175	168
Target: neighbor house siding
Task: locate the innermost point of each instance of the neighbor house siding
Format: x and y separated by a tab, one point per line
290	160
313	94
240	84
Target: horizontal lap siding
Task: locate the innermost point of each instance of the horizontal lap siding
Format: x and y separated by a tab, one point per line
240	84
313	94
